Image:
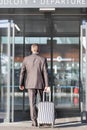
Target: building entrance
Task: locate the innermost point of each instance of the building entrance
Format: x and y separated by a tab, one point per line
60	44
59	39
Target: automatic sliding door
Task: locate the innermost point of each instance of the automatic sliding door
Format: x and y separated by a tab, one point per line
66	72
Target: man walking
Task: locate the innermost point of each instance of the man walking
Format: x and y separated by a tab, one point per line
34	69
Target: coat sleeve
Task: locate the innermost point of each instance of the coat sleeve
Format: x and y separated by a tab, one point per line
22	74
45	73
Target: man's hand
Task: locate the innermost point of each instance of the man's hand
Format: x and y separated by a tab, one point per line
47	89
21	87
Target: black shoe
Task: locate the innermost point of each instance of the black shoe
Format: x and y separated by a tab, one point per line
35	124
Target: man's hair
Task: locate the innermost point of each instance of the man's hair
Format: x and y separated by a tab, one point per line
35	48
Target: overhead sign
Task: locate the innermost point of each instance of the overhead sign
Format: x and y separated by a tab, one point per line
43	3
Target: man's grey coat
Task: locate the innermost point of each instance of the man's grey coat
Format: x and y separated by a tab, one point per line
34	71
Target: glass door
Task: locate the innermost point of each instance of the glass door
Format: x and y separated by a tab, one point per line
83	69
66	72
7	39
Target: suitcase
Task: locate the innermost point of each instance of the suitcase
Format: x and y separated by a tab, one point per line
46	112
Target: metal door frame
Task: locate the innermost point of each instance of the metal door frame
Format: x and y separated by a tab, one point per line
11	26
83	74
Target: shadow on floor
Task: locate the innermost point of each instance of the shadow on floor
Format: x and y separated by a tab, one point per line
59	113
70	124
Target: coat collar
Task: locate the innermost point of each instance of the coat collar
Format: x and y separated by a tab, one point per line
36	53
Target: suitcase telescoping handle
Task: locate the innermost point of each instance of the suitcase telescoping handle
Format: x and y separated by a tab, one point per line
49	94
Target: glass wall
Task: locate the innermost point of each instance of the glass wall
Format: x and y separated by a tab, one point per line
7	30
3	72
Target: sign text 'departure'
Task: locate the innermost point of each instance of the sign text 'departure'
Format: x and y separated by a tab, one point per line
42	3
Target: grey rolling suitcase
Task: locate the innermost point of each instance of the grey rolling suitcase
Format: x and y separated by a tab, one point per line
46	112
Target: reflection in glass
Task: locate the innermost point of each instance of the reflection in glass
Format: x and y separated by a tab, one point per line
3	73
66	74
